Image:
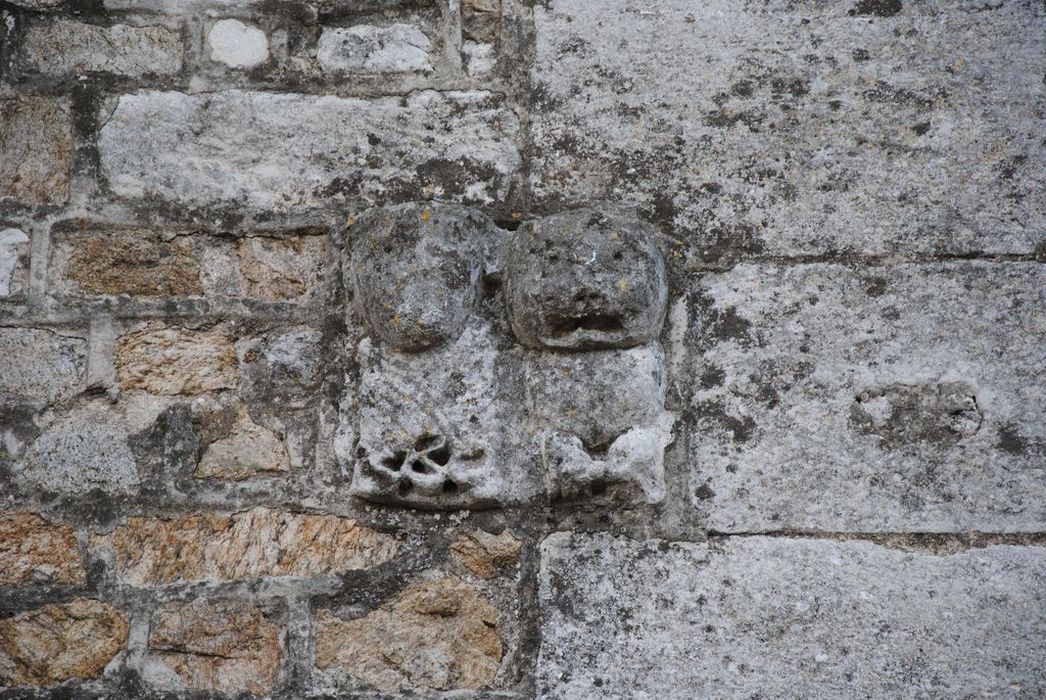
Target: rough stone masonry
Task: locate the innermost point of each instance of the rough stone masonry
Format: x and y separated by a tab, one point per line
522	349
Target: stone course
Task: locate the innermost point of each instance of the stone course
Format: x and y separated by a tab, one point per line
510	349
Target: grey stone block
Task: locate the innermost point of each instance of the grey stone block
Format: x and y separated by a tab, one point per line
65	46
788	618
897	398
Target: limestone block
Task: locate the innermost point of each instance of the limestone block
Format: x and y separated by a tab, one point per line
33	550
900	398
782	617
171	361
236	44
66	46
36	149
14	263
484	554
364	48
41	365
55	643
438	634
251	544
224	645
294	268
585	279
248	450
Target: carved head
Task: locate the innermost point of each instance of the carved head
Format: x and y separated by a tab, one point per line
414	271
584	280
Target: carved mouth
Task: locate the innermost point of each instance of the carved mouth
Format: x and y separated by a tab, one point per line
602	323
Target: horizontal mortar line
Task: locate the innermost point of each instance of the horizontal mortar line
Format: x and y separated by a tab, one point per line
872	260
968	539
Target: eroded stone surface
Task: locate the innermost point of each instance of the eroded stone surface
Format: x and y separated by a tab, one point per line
484	554
253	148
33	550
55	643
36	147
176	361
845	131
251	544
14	268
248	450
415	269
779	617
585	279
364	48
438	634
139	262
284	269
894	399
236	44
224	645
41	365
65	46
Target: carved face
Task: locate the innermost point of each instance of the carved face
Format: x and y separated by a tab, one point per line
585	280
415	269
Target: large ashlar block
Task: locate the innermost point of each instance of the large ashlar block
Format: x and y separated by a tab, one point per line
897	398
797	128
796	618
288	151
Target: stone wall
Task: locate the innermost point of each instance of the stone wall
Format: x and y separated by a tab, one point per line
513	349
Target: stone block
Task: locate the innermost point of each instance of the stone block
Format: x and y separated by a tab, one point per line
227	646
365	48
261	542
172	361
253	149
236	44
438	634
247	450
14	263
788	128
486	555
780	617
33	550
41	365
56	643
36	149
65	46
896	398
293	268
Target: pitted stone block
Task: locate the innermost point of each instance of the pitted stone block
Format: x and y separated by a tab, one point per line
415	269
586	279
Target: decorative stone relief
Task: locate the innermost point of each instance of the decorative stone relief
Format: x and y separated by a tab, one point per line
573	376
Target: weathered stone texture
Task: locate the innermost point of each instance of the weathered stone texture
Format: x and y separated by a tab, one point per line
36	148
33	550
484	554
363	48
236	44
138	262
55	643
65	46
248	450
41	365
286	151
905	398
255	543
778	617
795	128
228	646
176	361
284	269
438	634
14	263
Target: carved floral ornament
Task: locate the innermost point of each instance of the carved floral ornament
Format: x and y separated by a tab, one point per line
499	365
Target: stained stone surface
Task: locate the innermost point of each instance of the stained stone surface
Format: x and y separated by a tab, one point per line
898	398
585	279
366	48
168	360
65	46
33	550
194	148
779	617
797	128
14	249
36	148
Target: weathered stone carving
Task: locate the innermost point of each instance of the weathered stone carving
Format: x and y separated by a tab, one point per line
585	279
415	269
445	398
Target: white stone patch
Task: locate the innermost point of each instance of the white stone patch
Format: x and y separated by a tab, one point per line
237	45
399	48
479	58
13	244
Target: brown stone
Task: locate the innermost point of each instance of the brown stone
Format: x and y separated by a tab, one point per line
248	450
55	643
33	550
228	646
174	361
437	634
36	145
134	262
281	269
254	543
484	554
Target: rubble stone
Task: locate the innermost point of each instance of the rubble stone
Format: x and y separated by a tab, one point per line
33	550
